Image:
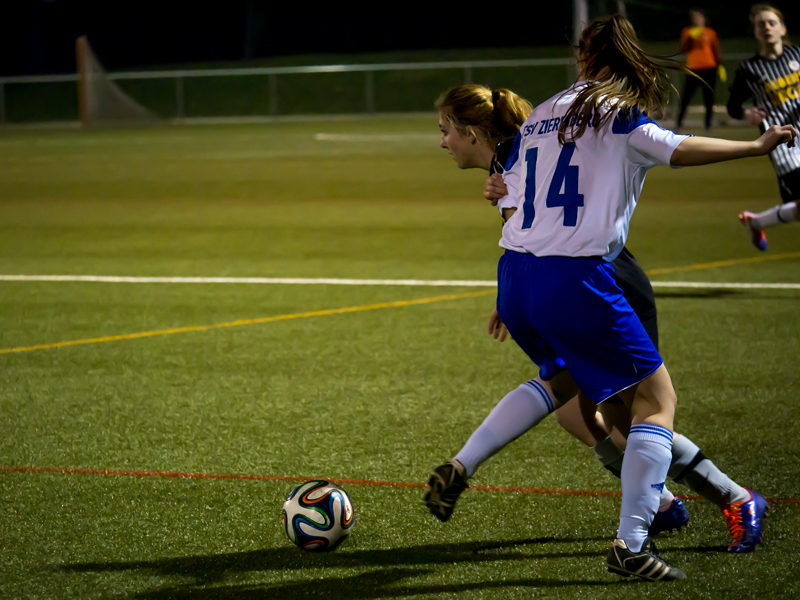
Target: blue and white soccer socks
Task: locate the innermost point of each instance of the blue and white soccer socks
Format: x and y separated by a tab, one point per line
611	458
644	470
665	499
515	414
691	468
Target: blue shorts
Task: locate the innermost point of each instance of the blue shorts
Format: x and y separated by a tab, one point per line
569	312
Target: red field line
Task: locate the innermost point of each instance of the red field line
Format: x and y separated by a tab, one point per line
372	482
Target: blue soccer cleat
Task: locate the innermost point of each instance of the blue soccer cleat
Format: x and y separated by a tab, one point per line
757	236
675	516
744	521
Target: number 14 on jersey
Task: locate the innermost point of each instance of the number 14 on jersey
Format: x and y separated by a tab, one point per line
565	178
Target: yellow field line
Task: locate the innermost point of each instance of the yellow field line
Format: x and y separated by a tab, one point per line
316	313
722	263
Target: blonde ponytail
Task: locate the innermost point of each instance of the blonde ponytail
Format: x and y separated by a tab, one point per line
476	109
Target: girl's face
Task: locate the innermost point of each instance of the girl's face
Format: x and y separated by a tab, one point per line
462	147
768	27
697	19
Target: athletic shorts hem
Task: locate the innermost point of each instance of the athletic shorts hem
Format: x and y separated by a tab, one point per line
607	396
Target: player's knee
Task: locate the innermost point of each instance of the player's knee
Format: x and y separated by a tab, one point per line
564	387
655	397
660	399
561	419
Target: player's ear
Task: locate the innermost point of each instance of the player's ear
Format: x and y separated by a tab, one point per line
473	136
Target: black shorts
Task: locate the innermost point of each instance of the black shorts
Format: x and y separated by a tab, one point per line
790	186
635	286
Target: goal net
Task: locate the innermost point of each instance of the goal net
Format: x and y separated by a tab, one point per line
100	100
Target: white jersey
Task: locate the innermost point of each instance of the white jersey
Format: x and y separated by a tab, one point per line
577	200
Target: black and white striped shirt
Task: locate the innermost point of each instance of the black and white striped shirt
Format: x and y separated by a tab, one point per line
774	86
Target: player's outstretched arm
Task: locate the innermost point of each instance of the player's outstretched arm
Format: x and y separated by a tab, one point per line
695	151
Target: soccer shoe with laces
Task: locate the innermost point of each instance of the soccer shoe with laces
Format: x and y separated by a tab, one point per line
646	564
675	516
444	486
744	522
757	236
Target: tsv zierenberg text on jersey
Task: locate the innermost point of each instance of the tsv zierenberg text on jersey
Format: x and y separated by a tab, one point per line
578	199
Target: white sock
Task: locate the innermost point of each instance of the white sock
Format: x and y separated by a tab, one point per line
691	468
783	213
611	458
515	414
665	499
644	469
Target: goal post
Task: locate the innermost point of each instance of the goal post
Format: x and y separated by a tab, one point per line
100	100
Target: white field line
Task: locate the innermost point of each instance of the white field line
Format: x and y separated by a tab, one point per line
726	286
389	282
370	137
251	280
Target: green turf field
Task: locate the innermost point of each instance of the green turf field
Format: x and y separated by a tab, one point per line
380	394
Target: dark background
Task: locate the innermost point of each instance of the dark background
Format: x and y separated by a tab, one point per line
38	36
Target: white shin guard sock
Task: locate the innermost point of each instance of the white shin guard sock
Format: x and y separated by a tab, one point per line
691	468
783	213
665	499
611	458
644	469
515	414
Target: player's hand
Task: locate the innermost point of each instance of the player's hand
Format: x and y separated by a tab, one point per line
775	136
754	115
495	188
496	327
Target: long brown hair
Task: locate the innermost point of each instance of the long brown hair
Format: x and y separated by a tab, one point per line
495	114
618	73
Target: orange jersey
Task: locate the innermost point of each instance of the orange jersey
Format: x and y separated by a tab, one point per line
701	46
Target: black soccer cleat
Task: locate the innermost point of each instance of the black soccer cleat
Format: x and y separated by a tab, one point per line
444	486
646	564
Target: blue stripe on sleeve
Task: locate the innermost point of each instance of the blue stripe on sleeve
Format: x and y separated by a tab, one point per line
626	123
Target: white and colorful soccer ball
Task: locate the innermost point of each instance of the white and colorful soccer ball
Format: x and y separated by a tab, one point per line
317	516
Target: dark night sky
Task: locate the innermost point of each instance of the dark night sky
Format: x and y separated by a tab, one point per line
39	35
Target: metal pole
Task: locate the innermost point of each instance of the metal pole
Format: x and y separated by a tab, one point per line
580	19
370	91
2	103
179	96
273	94
468	74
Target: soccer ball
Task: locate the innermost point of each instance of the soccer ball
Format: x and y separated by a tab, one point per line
317	516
